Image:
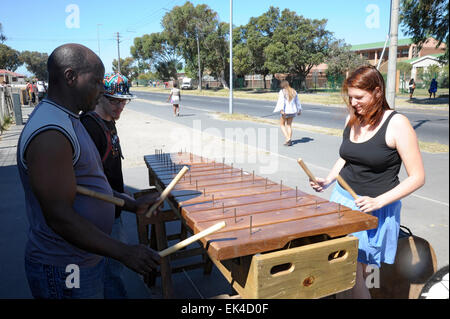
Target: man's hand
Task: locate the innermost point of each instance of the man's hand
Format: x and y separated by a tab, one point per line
140	205
141	259
144	203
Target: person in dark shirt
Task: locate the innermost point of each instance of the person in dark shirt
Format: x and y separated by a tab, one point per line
376	140
100	125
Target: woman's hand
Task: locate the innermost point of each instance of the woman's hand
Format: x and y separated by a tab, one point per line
368	204
299	113
322	184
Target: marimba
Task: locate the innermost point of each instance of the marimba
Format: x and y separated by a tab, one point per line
278	242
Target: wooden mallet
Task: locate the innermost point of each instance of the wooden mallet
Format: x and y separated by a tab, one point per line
307	171
192	239
346	186
107	198
167	191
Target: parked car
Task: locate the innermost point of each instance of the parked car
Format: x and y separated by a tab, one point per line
187	84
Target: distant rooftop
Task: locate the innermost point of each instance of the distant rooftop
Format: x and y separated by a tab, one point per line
436	55
378	45
3	72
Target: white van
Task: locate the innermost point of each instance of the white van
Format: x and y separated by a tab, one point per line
187	84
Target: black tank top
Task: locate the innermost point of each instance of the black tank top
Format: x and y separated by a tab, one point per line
371	167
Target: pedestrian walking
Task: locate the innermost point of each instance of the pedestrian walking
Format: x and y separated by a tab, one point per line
175	99
289	106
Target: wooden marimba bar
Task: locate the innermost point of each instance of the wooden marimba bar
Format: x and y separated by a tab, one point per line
261	216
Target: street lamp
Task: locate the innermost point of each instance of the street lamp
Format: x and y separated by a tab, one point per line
230	106
98	38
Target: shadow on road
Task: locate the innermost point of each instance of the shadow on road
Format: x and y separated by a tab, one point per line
302	140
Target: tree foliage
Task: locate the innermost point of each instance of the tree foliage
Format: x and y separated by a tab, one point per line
126	67
426	18
297	45
2	35
187	27
36	63
217	53
341	60
9	58
155	52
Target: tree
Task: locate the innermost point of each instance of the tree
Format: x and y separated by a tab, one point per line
297	45
254	38
9	58
186	28
126	66
431	72
2	35
426	18
167	71
341	60
36	63
154	51
405	71
217	53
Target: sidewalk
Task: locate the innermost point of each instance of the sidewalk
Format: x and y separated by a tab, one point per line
141	134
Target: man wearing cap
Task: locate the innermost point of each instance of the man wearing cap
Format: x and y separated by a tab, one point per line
100	125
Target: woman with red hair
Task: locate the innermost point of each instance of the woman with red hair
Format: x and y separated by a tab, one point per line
376	140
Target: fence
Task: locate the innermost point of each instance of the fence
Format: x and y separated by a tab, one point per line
6	106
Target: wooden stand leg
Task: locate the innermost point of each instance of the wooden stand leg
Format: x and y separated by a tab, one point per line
166	272
183	232
152	277
207	269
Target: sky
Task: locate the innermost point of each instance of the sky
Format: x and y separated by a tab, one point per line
43	25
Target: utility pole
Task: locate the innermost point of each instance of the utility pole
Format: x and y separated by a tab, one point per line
118	53
392	62
98	38
230	106
198	62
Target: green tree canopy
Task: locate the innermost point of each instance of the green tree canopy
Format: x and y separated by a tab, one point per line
155	52
217	53
2	35
187	27
253	39
126	67
341	60
36	63
297	45
426	18
9	58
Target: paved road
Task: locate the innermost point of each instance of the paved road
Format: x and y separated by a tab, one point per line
431	125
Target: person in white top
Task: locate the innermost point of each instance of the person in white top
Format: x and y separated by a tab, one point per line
289	106
175	98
